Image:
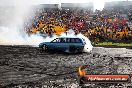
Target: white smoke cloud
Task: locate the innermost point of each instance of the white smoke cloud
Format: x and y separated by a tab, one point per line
88	47
12	28
14	34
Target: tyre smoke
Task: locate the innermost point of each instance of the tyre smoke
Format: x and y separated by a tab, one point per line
12	36
13	33
12	19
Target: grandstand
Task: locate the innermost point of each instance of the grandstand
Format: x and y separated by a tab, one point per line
110	24
47	6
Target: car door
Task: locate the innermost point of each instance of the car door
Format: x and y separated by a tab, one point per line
63	44
72	42
60	44
75	42
78	43
55	44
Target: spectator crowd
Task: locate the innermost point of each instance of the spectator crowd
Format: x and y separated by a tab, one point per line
108	24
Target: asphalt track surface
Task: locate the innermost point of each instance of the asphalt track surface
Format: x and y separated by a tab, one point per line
29	67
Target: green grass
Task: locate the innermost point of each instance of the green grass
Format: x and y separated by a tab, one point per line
112	44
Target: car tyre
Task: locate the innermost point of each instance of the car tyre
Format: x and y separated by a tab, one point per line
72	49
45	47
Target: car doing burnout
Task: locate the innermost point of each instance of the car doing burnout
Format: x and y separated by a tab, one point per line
72	45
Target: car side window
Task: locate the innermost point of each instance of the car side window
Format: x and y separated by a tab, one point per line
72	40
77	40
56	40
68	40
63	40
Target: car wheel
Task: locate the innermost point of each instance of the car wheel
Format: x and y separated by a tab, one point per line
73	49
45	47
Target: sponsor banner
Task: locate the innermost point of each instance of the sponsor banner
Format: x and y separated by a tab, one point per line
108	78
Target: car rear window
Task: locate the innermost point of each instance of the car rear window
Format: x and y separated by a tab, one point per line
84	41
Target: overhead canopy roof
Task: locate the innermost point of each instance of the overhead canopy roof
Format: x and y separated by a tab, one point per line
77	5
